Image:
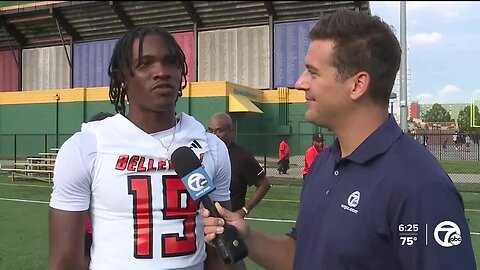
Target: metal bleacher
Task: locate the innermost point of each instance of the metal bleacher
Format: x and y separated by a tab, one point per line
39	168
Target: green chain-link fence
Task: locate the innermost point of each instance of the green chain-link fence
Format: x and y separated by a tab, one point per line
461	160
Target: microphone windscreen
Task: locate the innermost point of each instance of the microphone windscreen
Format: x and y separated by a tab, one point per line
185	161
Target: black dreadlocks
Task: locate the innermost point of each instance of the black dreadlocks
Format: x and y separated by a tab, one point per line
120	63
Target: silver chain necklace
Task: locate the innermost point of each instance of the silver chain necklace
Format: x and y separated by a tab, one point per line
167	149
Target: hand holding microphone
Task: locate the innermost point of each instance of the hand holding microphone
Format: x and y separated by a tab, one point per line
215	225
187	165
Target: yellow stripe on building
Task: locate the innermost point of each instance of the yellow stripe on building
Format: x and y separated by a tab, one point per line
206	89
274	96
96	94
42	96
193	90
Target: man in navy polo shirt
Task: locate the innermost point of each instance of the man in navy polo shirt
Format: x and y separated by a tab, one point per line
376	199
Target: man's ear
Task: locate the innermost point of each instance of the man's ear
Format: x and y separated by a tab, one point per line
360	84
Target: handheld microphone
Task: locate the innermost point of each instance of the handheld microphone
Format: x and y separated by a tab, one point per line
187	165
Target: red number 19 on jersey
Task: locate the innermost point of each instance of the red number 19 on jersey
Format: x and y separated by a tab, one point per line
177	205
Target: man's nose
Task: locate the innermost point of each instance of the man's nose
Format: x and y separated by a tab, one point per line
301	83
160	71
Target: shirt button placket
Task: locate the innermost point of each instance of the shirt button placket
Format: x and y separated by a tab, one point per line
329	191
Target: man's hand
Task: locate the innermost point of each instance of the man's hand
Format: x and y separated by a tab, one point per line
241	213
214	226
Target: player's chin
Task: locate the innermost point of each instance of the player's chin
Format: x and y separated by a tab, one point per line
164	105
314	117
164	99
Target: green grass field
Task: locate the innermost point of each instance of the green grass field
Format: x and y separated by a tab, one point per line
450	166
461	166
24	225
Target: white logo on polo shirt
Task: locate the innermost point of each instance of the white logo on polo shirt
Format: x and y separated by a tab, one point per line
352	201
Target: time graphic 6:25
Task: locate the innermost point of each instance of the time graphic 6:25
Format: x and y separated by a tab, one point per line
408	228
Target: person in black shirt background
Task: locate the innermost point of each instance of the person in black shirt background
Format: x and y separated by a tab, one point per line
245	169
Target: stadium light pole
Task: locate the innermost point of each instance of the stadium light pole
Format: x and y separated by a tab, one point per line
403	66
393	98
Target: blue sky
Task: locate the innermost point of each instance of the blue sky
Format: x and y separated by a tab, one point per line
443	48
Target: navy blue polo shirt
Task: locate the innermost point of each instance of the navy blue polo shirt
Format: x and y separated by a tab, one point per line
387	206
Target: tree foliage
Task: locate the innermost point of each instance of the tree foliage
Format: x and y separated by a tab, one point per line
464	119
437	114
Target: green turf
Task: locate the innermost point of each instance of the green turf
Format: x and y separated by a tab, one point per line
468	187
461	166
25	246
471	200
450	166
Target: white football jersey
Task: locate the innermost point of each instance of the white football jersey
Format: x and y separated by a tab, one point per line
142	215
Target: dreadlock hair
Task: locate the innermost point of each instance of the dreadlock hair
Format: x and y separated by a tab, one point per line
121	61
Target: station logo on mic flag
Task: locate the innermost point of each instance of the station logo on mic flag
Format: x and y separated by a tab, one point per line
198	183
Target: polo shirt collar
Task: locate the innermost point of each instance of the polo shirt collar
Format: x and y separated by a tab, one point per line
376	144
